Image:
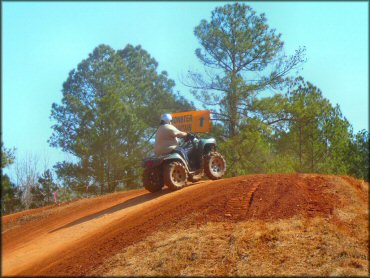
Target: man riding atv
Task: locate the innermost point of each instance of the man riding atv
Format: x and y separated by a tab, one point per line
166	136
175	164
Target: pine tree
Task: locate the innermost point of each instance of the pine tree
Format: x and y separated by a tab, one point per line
243	57
10	193
110	108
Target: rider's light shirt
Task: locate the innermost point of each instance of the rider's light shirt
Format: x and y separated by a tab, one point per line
165	139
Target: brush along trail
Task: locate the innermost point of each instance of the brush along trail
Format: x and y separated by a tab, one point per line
77	238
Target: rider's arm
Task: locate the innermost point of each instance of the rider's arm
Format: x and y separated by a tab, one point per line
182	134
177	133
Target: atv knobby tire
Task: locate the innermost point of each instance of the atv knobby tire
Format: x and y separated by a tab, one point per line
153	179
175	175
214	166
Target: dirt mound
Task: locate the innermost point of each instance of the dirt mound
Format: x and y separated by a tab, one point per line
270	197
285	247
303	225
81	238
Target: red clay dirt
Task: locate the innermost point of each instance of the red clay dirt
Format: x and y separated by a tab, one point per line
74	239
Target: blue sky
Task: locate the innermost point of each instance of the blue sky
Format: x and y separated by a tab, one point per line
42	42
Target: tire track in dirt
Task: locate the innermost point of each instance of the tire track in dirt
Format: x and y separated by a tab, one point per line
251	195
146	219
238	206
24	235
106	235
81	236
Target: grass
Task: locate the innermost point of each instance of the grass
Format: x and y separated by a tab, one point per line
293	246
333	245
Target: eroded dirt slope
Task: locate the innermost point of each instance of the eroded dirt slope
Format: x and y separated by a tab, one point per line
114	234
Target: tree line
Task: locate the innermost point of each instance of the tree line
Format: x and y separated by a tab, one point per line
266	119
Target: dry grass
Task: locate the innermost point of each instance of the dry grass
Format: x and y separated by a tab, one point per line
286	247
333	246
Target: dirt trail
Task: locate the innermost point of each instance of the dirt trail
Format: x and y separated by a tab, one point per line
76	238
33	236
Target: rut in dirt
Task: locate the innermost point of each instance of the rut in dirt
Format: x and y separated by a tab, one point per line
230	200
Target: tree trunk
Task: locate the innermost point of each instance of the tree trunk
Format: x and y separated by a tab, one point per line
232	103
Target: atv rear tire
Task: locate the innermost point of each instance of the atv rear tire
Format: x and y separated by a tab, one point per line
175	175
153	179
214	166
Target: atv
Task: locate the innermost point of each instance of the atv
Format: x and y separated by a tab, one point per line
190	161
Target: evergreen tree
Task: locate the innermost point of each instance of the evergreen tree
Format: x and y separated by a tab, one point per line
358	156
47	186
110	109
244	56
317	136
248	151
7	156
10	193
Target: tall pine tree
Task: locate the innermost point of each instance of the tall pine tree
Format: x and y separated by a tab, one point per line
110	108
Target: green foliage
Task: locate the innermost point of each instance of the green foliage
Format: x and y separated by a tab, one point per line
42	193
248	151
10	193
245	56
10	196
318	136
297	132
110	109
73	176
359	155
7	156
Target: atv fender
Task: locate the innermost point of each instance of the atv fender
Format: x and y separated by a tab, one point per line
176	156
209	141
151	162
205	144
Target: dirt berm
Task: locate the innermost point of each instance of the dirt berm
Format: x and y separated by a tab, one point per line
282	224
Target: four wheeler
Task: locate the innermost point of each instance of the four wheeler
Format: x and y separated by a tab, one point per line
190	161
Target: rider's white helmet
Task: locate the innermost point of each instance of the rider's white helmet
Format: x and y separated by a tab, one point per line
166	118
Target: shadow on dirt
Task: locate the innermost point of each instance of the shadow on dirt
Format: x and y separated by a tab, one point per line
126	204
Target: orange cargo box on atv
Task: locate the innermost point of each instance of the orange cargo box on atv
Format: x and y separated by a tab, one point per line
192	121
